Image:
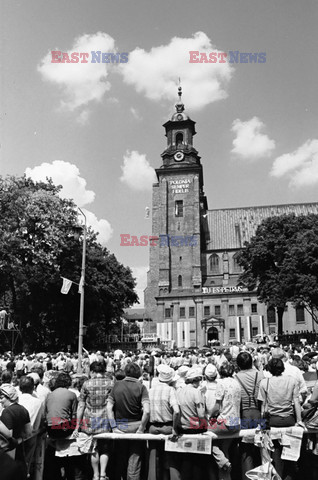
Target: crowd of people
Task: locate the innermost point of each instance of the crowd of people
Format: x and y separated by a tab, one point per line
175	393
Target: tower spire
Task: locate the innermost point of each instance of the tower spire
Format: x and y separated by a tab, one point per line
179	105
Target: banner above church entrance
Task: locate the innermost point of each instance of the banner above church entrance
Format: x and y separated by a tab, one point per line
224	290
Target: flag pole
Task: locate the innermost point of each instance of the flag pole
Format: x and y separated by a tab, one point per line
81	290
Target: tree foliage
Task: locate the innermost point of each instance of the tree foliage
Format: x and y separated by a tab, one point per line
40	241
281	261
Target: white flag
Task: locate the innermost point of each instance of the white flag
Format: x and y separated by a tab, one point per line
66	285
81	285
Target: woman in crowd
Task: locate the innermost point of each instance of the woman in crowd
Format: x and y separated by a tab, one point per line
280	402
249	379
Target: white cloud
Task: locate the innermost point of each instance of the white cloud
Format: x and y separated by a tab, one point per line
140	273
250	143
74	187
137	172
155	73
67	175
80	83
301	166
102	227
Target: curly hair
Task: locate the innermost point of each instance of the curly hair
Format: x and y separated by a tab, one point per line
226	369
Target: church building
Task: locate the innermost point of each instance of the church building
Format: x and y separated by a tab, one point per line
193	295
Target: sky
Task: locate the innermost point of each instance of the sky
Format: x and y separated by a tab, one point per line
96	128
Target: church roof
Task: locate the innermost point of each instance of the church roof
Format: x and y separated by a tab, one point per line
230	228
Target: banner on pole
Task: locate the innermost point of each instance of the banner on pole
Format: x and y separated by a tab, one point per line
66	285
81	285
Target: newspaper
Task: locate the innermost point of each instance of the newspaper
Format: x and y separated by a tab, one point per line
190	444
292	450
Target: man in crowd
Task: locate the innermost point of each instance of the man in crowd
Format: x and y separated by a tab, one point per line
36	412
128	412
164	417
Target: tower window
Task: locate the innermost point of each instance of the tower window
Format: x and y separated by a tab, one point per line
179	139
179	208
214	263
180	281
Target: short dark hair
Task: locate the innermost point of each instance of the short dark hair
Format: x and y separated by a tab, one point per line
192	380
244	361
26	384
97	367
120	374
132	370
63	380
226	369
6	377
276	366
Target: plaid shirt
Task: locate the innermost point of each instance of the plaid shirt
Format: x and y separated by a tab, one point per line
162	400
94	395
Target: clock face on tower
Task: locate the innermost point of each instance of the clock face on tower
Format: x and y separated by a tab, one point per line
179	156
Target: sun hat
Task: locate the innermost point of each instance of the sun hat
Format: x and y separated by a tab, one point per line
166	374
193	373
182	371
211	370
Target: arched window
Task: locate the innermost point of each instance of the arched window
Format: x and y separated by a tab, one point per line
179	139
180	281
214	263
236	266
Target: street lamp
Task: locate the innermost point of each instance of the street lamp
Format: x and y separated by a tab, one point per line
81	291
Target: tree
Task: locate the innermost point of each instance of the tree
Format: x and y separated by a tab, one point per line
40	242
281	262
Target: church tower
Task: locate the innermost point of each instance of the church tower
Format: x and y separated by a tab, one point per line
178	204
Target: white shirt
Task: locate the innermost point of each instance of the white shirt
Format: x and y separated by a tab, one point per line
42	393
291	371
34	407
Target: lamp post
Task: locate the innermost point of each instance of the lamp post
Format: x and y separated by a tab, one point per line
81	291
